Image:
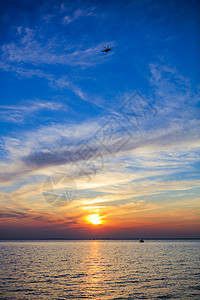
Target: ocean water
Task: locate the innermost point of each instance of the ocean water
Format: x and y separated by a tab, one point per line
99	270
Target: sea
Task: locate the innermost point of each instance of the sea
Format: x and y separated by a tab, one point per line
100	269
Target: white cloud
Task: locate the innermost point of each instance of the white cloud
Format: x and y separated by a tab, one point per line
32	50
78	13
58	145
18	113
29	56
170	86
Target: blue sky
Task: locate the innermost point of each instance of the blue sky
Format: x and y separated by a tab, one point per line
124	125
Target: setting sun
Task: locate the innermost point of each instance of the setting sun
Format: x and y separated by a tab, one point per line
94	219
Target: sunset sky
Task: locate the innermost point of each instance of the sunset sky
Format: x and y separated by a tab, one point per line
99	144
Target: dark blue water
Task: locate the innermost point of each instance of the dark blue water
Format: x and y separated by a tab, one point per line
99	270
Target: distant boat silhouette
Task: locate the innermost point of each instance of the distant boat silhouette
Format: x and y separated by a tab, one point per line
141	241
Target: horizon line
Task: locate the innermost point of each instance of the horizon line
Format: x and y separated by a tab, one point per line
89	239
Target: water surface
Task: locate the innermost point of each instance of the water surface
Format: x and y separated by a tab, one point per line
99	270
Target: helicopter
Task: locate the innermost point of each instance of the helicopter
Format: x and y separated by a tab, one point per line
106	49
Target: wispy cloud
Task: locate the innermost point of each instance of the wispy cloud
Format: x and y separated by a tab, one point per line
29	49
170	86
18	113
61	144
31	56
78	13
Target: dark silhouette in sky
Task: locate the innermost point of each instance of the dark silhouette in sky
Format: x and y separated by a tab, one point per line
106	49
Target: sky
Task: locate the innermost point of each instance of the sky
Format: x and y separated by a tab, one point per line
96	144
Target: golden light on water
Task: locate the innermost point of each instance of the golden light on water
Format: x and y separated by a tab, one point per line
95	219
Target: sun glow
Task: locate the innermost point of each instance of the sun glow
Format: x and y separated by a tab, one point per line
94	219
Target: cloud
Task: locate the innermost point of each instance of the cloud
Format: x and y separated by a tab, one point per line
161	141
34	217
78	13
64	83
29	49
170	86
30	56
61	144
18	113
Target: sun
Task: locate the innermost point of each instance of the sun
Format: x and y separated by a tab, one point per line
95	219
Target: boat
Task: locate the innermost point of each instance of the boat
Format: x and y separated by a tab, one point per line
141	241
